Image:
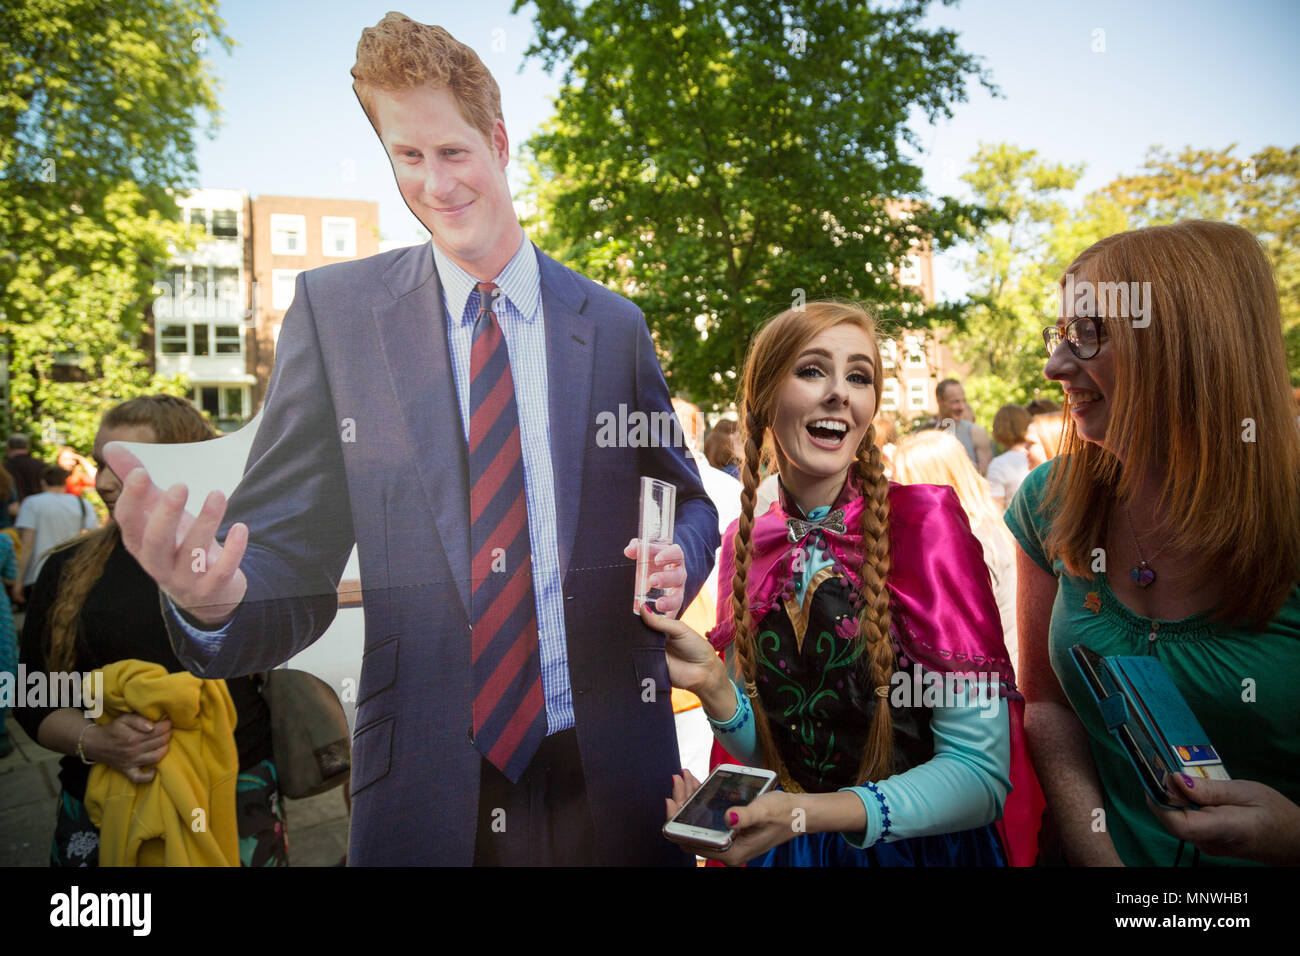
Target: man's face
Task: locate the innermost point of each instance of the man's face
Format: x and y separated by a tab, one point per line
953	403
452	179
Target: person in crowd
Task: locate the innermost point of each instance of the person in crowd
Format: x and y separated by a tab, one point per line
93	605
1168	527
81	471
503	671
8	641
720	448
1045	433
818	585
886	440
46	520
934	457
723	489
25	470
954	409
1040	406
8	499
1022	454
693	734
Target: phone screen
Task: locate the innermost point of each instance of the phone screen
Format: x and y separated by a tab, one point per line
723	790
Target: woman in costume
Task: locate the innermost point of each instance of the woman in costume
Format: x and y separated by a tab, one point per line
1169	527
850	598
93	605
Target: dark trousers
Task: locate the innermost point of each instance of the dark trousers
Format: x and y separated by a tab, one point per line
544	819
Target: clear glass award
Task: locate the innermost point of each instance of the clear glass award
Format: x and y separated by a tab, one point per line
654	532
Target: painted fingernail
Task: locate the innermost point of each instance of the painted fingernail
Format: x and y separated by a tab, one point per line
733	817
1187	781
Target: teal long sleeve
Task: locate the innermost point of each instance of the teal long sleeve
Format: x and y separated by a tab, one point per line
963	786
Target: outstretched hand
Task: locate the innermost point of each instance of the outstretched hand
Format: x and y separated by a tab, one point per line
1237	818
178	550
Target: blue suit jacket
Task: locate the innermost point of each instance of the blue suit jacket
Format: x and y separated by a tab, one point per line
362	440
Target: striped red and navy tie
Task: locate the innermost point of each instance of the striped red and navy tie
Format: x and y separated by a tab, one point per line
509	708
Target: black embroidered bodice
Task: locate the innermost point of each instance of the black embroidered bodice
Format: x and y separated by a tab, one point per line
817	694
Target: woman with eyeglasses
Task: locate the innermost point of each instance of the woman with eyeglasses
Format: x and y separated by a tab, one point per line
1169	526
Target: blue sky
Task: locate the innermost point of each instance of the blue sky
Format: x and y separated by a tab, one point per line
1205	73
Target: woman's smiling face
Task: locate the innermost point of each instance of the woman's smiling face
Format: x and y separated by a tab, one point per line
1088	383
823	410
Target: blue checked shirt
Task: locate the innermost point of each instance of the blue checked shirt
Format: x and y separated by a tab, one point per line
519	312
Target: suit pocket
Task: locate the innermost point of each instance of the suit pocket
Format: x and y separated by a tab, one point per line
372	754
378	669
651	665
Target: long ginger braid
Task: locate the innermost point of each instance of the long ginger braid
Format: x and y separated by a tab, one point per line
743	644
874	619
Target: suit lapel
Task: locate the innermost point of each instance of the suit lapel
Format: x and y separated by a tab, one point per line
412	331
570	353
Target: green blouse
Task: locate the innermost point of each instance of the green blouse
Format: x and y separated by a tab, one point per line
1241	684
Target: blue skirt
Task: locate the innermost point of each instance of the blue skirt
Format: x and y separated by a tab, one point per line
978	847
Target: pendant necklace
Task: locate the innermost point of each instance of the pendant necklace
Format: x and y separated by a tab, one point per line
1143	575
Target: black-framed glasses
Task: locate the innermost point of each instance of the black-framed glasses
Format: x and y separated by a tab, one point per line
1084	336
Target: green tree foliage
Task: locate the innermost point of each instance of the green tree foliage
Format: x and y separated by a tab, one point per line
1261	193
1009	269
710	159
98	107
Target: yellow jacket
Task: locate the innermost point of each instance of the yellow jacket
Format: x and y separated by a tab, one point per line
185	815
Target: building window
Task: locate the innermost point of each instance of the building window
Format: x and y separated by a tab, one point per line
889	353
288	235
338	236
225	224
201	340
889	395
915	352
916	394
226	404
173	340
228	340
282	284
225	293
199	217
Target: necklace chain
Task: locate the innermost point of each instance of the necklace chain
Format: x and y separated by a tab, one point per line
1137	544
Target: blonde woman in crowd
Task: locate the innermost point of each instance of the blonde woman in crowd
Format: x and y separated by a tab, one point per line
933	457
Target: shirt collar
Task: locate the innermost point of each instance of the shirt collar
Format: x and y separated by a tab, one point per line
519	282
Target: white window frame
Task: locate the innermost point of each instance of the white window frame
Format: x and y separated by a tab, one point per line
889	395
889	353
279	278
916	391
350	251
282	223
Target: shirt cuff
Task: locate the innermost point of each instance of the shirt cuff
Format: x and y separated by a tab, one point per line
743	715
879	822
201	646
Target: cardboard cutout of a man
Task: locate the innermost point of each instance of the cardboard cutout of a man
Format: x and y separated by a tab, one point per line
436	405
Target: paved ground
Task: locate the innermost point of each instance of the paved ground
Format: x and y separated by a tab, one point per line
29	788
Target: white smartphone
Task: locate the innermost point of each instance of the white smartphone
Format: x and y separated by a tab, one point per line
702	819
